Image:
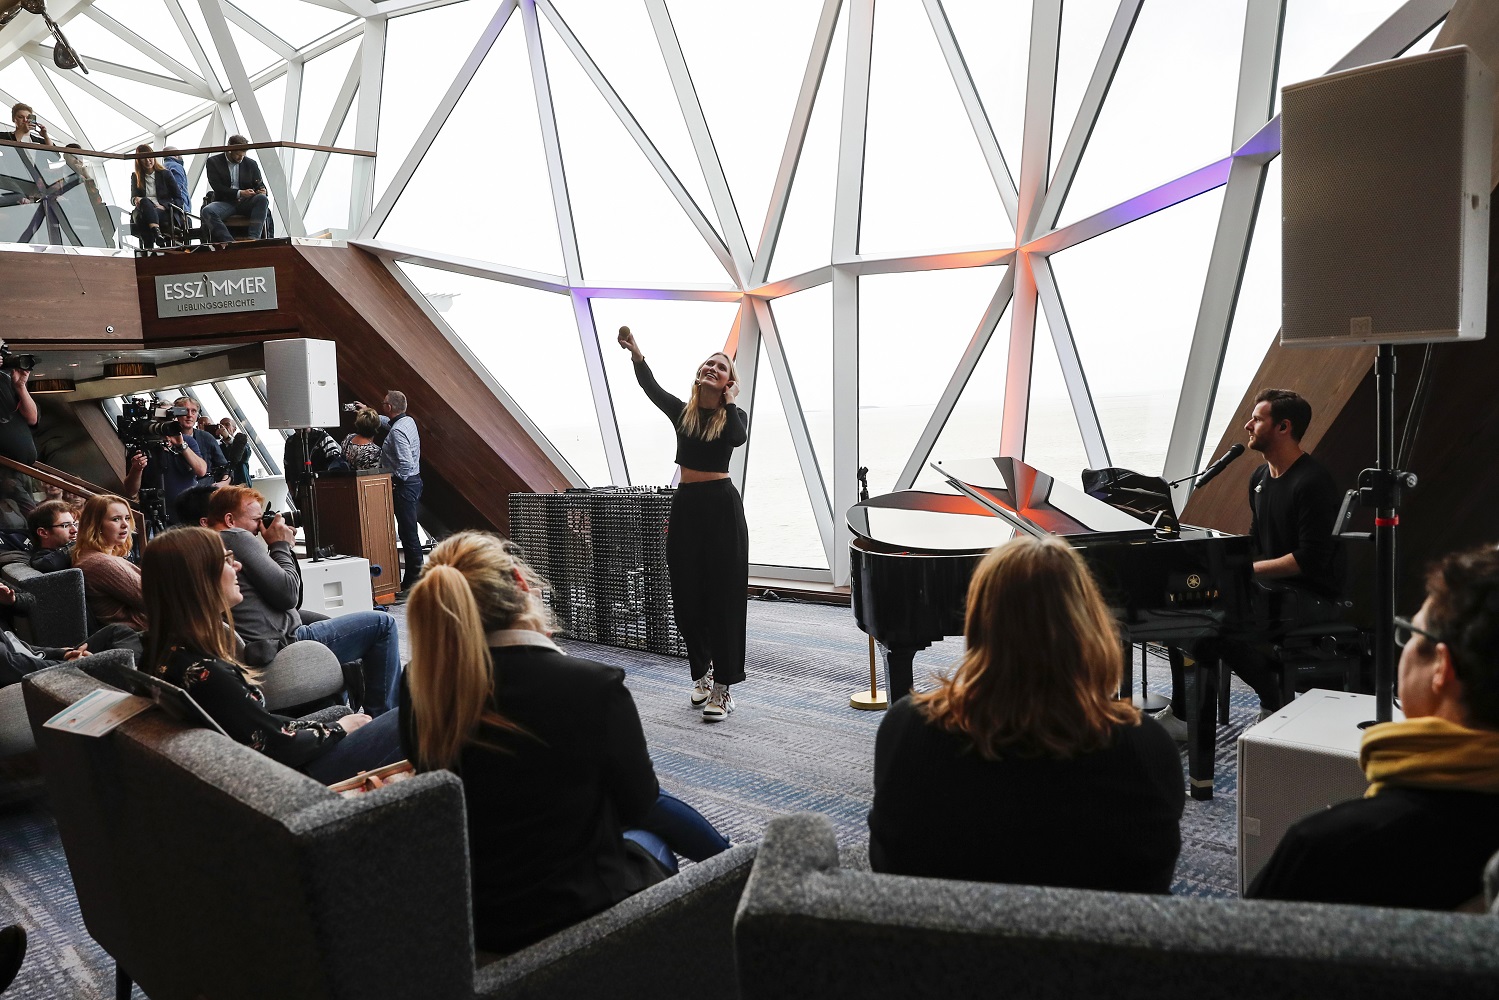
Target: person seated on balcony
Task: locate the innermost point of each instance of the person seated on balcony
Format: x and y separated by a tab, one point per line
54	527
269	620
25	126
111	583
1024	766
235	188
152	190
191	588
173	162
1421	835
360	449
565	816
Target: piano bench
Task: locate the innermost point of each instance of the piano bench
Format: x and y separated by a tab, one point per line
1332	649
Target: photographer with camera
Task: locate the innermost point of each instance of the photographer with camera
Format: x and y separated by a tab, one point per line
18	412
206	441
268	619
164	462
26	127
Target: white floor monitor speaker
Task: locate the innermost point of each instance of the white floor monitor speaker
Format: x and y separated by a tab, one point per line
1385	203
1301	759
301	383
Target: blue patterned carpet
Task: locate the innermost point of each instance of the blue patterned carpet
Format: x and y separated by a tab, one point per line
793	744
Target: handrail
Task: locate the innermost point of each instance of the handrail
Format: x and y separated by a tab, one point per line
68	483
190	152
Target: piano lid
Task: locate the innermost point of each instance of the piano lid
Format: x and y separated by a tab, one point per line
1013	489
917	521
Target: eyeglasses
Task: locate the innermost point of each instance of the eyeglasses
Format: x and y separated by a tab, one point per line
228	556
66	524
1405	629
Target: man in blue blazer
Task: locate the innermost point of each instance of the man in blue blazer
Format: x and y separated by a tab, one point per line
237	188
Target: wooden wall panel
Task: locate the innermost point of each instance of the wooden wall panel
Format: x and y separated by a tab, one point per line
62	299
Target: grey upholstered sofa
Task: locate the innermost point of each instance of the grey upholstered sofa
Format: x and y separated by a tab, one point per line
59	618
206	869
805	928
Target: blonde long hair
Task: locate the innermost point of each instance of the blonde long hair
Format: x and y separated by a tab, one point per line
91	527
468	588
1043	661
181	574
692	423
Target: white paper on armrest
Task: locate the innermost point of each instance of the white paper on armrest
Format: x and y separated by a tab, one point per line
97	712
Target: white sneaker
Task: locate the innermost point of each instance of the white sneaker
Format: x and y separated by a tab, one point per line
701	688
1175	728
720	704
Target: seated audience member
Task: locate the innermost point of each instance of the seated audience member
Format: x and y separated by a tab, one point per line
190	584
191	508
360	449
19	657
235	188
53	527
1421	835
1024	766
565	816
172	161
111	582
268	620
152	191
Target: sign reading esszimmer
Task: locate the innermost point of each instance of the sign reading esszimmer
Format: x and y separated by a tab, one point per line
248	289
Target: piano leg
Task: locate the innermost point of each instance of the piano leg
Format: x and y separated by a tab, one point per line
898	674
1201	678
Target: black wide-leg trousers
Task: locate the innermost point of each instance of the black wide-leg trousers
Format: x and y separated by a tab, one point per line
707	552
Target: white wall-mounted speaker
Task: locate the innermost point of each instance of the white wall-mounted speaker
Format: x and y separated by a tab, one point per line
1385	202
1302	759
301	383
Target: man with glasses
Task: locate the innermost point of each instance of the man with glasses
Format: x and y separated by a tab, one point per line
1429	823
53	527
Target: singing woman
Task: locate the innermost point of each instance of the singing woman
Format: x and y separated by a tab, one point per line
707	542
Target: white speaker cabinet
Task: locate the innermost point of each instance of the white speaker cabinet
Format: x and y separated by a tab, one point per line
1301	759
337	586
1385	202
301	383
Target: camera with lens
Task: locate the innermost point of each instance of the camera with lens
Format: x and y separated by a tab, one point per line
289	516
146	422
10	360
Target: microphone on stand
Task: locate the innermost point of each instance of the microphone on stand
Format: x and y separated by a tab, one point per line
1210	473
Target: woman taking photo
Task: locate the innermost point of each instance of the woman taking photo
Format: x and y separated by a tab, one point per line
152	192
111	583
707	544
360	449
1024	766
191	584
565	816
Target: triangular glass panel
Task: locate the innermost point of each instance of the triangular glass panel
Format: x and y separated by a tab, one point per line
1256	319
629	226
135	13
328	211
973	429
19	84
782	528
913	328
622	43
926	183
1170	109
272	101
322	79
1133	334
676	337
1085	26
199	27
1318	33
253	53
995	41
805	322
104	125
412	85
747	73
94	42
156	103
294	21
805	241
527	340
513	223
1053	443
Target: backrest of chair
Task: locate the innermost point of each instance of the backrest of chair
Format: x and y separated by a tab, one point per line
205	868
61	614
805	927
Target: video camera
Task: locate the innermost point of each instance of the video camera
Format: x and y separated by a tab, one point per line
11	360
147	422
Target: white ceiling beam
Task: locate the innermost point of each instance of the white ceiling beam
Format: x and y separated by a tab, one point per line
195	47
97	65
1073	375
465	265
371	60
146	48
265	36
337	115
562	209
49	85
91	88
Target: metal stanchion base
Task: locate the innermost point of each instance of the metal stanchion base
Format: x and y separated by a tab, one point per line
869	701
1150	701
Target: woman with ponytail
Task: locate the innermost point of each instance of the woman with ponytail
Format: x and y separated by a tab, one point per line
707	544
565	815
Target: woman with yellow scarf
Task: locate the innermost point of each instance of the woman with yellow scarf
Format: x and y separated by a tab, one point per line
1430	821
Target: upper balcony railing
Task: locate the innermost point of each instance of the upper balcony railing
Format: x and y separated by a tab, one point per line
55	196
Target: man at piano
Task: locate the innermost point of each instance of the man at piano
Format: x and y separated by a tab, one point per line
1293	503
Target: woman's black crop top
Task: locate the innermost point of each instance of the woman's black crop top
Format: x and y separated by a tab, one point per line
695	453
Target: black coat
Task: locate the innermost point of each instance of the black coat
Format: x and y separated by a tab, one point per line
166	187
219	188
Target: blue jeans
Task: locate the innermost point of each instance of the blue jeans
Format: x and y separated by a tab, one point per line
673	827
371	638
372	745
215	212
408	498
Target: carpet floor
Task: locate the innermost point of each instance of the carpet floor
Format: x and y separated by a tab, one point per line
792	745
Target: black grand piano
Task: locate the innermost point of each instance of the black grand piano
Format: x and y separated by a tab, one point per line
913	553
